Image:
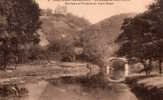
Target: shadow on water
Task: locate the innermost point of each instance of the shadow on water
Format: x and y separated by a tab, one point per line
141	92
85	82
90	88
144	94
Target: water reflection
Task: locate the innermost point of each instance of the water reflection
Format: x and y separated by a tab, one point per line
45	90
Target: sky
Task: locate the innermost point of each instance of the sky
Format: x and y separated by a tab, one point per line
97	13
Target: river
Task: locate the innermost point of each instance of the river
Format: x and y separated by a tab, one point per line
50	90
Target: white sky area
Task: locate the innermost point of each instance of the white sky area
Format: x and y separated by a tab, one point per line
97	13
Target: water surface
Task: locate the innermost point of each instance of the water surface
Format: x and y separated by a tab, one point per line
45	90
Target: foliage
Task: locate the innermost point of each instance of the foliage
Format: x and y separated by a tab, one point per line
97	50
64	47
61	30
142	35
22	17
98	39
19	21
47	12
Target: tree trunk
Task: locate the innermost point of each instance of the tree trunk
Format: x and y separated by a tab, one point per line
160	66
150	67
4	61
147	67
103	74
17	55
46	56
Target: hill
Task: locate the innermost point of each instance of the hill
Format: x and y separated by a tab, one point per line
108	28
98	39
58	33
57	26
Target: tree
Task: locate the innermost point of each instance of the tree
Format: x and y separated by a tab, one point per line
61	31
97	48
46	12
142	35
19	23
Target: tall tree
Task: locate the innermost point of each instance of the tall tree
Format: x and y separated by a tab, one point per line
142	36
18	25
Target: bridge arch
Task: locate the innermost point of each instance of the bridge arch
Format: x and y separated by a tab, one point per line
117	68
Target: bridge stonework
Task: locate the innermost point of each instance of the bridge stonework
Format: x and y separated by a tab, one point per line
120	71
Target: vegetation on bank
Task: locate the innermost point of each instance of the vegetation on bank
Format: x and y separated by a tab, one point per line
146	88
142	37
19	21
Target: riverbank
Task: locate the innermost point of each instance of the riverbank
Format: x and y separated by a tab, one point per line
147	88
63	81
12	82
27	73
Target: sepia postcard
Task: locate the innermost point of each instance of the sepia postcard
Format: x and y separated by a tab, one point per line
81	50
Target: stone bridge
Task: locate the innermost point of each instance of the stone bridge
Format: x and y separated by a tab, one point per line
117	68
